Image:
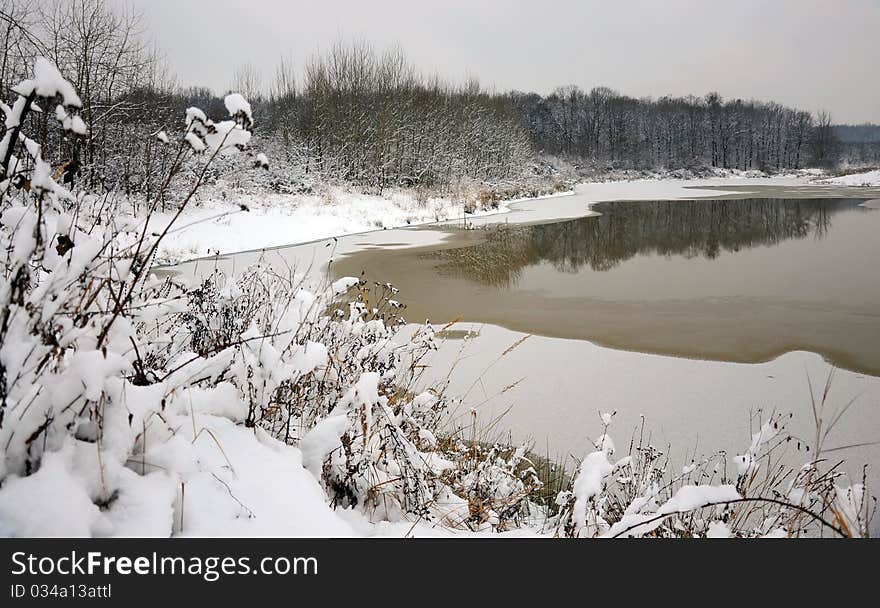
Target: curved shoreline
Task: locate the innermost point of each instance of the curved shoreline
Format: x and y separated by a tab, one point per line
322	257
644	189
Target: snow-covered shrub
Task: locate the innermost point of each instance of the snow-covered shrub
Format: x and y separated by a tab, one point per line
637	495
365	456
499	483
336	386
80	383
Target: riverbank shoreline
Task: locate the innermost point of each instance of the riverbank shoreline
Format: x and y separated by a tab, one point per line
222	227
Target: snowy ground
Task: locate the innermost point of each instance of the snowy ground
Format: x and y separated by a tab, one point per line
273	220
869	178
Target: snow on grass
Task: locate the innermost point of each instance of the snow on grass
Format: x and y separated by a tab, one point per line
245	484
253	485
687	498
29	505
591	476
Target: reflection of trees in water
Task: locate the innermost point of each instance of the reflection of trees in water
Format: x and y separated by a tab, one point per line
627	229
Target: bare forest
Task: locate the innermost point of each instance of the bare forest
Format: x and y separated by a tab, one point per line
372	119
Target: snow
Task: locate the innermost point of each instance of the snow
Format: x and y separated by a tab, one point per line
849	503
588	483
29	506
687	498
745	464
193	115
344	284
263	489
217	226
92	368
245	484
718	529
588	194
275	220
227	137
72	123
48	82
236	103
869	178
42	177
195	142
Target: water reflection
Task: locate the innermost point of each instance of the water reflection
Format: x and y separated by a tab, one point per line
734	280
627	229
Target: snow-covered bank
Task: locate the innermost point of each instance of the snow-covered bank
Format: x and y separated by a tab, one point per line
221	225
247	222
356	222
567	205
869	178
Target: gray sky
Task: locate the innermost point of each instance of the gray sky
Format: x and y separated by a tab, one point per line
813	54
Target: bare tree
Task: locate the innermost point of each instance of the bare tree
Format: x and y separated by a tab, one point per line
604	126
371	118
248	80
824	145
284	85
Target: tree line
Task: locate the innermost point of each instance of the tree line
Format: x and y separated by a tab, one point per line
860	144
105	55
673	132
372	119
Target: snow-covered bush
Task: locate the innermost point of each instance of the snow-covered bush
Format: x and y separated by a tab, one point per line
79	380
336	385
499	483
754	494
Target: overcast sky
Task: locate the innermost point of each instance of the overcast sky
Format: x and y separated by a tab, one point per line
813	54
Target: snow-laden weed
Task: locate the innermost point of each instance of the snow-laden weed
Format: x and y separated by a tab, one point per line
754	494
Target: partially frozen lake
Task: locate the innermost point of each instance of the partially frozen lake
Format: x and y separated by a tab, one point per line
731	280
